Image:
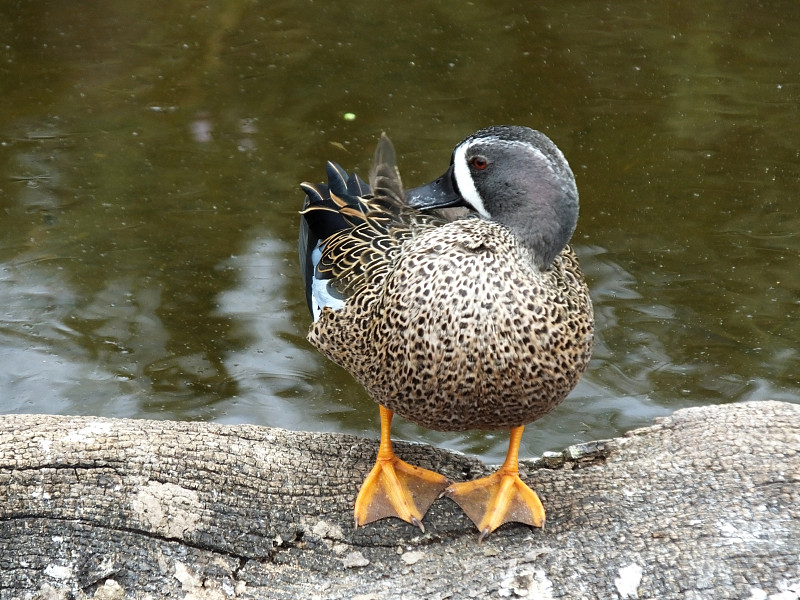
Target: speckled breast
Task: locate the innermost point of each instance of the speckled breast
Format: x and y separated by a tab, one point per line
465	333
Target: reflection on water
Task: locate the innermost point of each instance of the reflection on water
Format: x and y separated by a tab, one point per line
276	371
150	156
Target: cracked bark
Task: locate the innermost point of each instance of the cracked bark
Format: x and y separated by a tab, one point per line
704	504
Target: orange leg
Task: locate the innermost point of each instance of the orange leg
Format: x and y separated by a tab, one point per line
395	488
501	497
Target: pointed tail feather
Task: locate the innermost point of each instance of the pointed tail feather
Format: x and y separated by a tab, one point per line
384	175
327	209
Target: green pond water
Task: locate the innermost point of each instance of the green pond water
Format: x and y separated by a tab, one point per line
150	155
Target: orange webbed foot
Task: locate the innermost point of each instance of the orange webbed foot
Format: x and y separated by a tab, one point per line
497	499
395	488
501	497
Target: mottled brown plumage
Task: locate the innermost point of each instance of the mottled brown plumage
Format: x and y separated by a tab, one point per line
456	324
458	330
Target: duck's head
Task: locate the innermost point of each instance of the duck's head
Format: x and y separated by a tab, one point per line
515	176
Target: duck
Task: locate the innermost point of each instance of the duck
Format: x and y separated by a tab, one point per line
459	305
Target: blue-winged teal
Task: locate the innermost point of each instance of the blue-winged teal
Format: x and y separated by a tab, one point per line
478	321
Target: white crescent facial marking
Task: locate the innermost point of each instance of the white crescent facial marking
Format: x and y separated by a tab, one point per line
466	186
465	183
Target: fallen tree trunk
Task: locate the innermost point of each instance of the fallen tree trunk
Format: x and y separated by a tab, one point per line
704	504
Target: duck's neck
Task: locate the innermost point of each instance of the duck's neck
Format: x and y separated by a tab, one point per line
545	232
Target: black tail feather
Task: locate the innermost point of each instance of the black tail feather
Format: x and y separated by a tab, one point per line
322	214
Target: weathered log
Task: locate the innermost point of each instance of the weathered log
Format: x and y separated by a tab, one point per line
704	504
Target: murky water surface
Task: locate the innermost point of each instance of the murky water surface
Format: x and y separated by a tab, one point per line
150	154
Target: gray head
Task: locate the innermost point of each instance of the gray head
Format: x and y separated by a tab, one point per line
515	176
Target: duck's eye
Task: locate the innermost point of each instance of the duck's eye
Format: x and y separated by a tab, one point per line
479	162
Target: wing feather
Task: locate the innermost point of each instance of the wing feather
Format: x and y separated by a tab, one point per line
356	229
